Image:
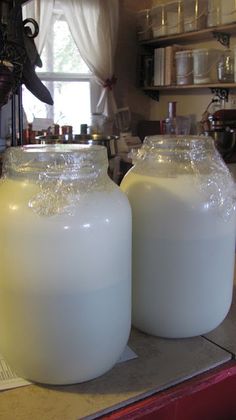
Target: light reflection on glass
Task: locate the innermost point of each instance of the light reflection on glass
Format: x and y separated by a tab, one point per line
86	225
13	207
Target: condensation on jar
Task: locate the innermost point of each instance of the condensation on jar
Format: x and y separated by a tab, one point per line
182	200
65	246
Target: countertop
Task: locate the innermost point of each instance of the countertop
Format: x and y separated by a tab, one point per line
160	364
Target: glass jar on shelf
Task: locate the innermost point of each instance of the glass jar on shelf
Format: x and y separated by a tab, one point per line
214	13
225	67
144	25
158	19
194	15
174	17
228	11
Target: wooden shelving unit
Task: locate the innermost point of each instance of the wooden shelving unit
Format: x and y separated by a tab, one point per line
220	33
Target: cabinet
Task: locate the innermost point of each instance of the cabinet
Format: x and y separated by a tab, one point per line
221	33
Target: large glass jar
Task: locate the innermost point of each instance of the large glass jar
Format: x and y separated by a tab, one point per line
181	194
65	250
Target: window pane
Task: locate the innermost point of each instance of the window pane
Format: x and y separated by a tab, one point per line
60	53
71	104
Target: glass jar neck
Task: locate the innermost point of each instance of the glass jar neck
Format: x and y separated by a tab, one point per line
174	148
69	162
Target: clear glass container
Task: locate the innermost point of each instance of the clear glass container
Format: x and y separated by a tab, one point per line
225	67
175	124
158	19
205	65
65	285
228	11
174	17
144	25
97	123
234	54
182	199
194	15
214	12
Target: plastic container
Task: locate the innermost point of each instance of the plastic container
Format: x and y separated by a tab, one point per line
182	199
144	25
158	18
214	12
205	63
194	15
184	67
174	17
65	301
228	11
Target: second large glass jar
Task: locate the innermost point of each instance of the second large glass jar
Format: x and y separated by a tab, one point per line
181	194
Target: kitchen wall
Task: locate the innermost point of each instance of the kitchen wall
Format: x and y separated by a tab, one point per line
126	91
192	102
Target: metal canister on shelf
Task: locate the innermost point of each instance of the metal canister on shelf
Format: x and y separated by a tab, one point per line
184	67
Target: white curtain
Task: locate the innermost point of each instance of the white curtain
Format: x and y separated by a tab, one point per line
94	27
41	11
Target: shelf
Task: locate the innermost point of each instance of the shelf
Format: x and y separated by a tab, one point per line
196	86
218	89
194	36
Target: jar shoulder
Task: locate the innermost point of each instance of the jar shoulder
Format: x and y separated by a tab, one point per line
26	200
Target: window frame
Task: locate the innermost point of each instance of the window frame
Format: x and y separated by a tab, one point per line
64	77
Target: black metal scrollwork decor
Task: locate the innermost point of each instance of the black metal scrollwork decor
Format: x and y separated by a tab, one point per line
19	56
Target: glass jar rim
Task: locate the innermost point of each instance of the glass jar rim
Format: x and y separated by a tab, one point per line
180	142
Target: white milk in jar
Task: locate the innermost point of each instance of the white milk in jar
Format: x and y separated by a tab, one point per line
181	195
65	282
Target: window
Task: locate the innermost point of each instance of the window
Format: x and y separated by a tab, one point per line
67	78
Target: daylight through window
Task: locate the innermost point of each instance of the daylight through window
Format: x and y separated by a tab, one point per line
67	78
